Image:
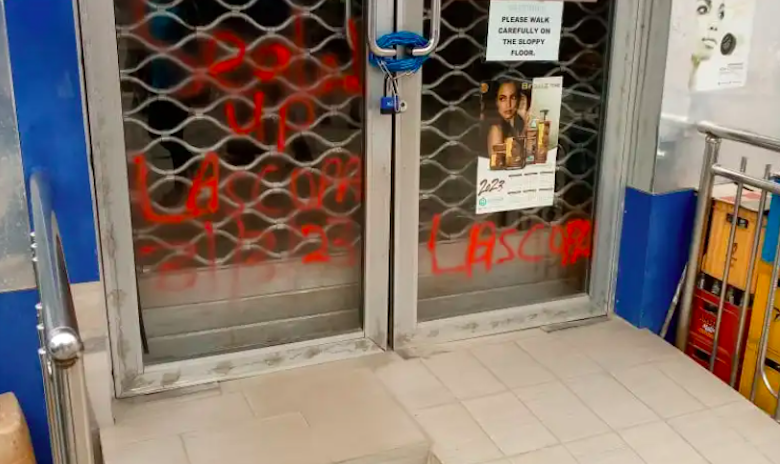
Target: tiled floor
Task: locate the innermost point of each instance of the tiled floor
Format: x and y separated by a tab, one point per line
600	394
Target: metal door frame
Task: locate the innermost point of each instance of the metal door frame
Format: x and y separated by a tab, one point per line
131	375
628	49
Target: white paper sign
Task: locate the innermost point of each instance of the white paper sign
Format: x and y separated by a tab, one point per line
722	43
521	125
524	30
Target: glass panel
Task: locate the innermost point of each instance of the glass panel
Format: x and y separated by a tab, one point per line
479	262
243	129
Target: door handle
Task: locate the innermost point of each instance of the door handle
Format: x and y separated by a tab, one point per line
372	45
347	21
433	42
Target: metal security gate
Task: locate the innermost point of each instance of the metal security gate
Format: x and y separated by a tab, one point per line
244	126
256	211
242	166
539	268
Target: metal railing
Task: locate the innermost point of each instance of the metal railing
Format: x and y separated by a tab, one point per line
710	170
60	346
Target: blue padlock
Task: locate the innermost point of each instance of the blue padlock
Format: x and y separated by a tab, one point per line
388	105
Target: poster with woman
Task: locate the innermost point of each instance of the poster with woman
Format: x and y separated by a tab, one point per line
520	122
721	43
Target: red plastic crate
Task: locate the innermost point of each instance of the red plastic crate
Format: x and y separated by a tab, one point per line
699	350
702	331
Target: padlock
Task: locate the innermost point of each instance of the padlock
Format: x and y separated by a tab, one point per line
389	105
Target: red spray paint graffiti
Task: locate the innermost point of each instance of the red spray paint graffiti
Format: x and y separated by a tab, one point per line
571	242
278	60
339	178
268	62
486	245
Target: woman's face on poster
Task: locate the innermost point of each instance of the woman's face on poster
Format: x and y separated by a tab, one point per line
709	16
507	100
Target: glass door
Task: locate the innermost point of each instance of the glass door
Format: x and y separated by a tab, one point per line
243	187
504	231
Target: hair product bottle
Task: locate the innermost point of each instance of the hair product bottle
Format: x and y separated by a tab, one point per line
498	157
531	141
543	138
515	153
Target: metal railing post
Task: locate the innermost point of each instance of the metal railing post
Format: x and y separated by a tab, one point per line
60	346
711	151
710	170
749	281
727	266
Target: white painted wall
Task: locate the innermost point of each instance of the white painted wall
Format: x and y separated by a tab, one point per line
755	107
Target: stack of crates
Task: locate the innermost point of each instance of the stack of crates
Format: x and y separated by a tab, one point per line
707	295
763	398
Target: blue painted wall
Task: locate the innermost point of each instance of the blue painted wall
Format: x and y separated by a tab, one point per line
45	70
654	246
19	367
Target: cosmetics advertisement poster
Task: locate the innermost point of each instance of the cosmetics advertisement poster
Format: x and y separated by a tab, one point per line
721	43
520	124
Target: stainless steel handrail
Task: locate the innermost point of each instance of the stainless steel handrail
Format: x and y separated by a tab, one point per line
739	135
61	348
710	169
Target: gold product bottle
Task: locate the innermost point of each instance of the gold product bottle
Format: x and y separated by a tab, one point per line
543	138
515	158
498	157
532	135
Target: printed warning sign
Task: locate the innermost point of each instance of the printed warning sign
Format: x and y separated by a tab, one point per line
524	30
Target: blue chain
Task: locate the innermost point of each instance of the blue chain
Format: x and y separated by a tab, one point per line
400	65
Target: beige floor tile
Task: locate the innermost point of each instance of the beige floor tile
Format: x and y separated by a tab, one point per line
414	454
309	373
414	385
283	394
511	365
353	415
560	358
604	449
284	439
706	431
165	450
144	405
770	450
699	382
457	437
594	333
610	401
624	349
554	455
463	375
731	453
715	437
427	351
100	386
657	443
176	417
753	424
510	424
561	412
658	391
90	304
349	412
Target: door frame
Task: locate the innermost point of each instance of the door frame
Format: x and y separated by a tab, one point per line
627	52
96	27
